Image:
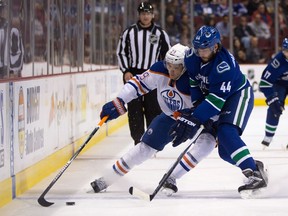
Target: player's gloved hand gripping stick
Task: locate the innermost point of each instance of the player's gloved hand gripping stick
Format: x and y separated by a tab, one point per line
149	197
41	199
275	105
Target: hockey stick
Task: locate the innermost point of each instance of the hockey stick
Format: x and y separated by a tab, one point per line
149	197
41	199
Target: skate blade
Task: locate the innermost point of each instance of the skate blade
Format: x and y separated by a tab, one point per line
167	191
91	191
252	194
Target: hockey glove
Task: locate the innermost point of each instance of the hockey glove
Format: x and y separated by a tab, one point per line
275	105
113	109
185	128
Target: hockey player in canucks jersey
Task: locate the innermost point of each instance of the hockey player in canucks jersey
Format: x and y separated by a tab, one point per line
274	85
171	80
227	94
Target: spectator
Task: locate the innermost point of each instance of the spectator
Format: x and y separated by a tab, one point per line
222	8
239	51
241	57
283	24
223	26
252	6
284	6
185	30
260	28
210	20
16	49
240	8
40	32
265	16
172	7
204	7
254	53
172	29
244	32
185	36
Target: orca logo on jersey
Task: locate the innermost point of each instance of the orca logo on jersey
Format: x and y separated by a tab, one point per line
172	99
186	121
222	67
153	39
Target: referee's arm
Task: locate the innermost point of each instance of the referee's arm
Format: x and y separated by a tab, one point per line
123	52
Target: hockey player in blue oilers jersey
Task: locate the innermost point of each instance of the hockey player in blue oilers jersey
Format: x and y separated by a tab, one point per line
274	85
171	80
227	94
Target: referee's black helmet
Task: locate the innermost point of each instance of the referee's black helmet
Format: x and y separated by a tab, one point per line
145	7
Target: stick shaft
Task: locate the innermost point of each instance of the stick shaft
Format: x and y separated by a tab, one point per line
145	196
41	199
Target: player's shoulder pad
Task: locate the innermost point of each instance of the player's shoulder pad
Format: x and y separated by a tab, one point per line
189	53
159	67
188	59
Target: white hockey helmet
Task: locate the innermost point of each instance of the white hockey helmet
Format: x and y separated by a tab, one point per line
175	55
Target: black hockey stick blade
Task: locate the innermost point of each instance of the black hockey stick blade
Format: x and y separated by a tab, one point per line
149	197
41	200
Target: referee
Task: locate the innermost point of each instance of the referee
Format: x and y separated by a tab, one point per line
141	45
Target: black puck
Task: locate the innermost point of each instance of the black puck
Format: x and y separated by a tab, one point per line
70	203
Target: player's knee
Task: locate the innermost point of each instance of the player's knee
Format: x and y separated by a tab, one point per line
227	132
145	152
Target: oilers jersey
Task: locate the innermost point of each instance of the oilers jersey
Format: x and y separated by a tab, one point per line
276	72
172	95
218	79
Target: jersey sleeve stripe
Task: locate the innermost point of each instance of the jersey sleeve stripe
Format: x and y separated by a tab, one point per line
193	83
138	85
215	101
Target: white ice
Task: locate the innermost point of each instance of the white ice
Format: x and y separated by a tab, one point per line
209	189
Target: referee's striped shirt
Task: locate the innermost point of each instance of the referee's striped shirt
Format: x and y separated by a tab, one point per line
139	48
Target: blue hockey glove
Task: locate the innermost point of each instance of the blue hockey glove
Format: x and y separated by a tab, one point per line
185	128
113	109
275	105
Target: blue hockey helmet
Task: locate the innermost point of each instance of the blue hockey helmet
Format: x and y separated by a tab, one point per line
285	44
206	36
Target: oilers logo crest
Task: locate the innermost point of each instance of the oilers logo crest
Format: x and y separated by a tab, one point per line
172	99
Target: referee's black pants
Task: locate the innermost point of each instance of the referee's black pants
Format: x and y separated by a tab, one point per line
141	111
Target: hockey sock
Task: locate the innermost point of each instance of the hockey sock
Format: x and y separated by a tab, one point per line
200	150
135	156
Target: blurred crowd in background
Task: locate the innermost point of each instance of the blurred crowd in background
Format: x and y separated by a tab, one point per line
60	36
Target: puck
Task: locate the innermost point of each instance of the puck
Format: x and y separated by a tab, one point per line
70	203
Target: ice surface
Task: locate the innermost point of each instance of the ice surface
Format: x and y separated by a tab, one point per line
209	189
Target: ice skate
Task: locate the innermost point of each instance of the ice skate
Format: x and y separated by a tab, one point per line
169	187
99	185
257	181
266	141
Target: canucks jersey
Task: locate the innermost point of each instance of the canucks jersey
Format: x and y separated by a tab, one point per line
172	95
276	72
218	79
